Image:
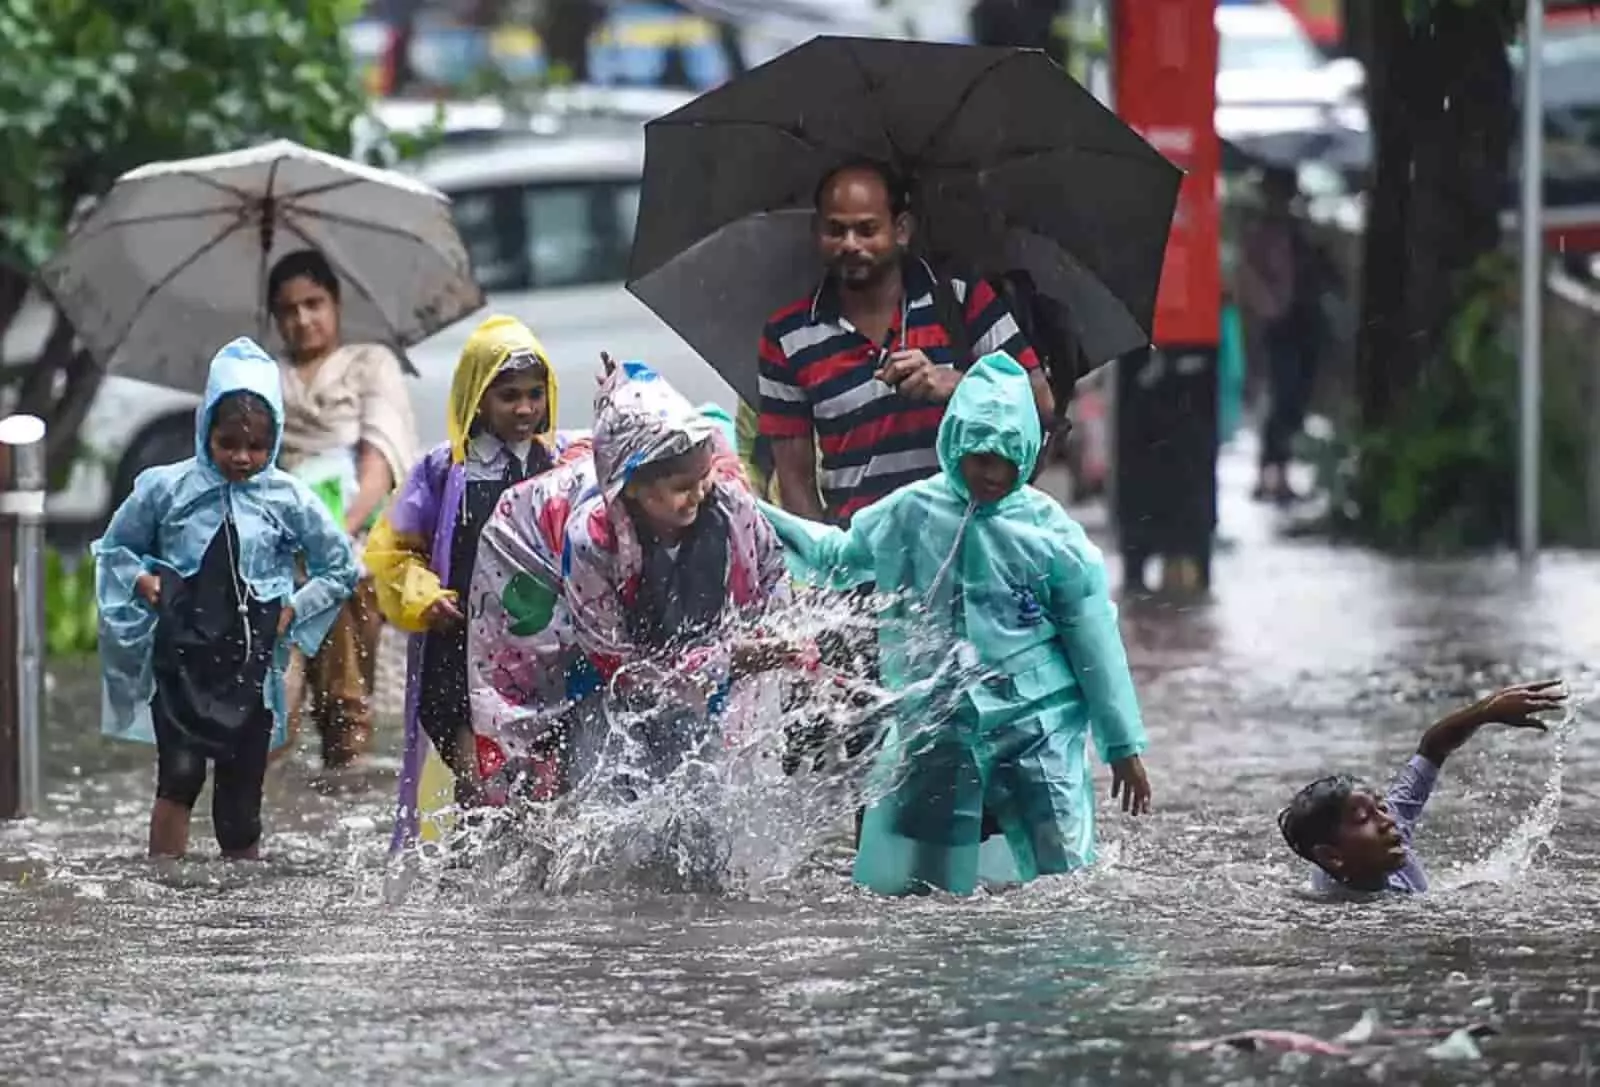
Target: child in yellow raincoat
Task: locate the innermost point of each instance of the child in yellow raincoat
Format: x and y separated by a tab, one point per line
502	412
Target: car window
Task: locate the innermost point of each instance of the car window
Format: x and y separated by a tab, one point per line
539	236
1266	53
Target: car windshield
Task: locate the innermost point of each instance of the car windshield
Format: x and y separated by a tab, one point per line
543	235
1259	52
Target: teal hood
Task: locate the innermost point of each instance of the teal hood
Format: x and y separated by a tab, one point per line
241	366
992	411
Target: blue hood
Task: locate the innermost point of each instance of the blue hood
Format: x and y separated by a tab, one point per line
992	411
241	366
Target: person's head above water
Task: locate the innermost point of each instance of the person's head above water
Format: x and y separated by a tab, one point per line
303	295
863	222
239	422
1346	828
990	438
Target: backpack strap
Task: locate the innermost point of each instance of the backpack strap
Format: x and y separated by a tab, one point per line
953	317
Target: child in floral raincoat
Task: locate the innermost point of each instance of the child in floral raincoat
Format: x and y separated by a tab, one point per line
669	546
502	412
526	673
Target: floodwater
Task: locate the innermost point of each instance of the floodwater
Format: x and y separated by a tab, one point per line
310	969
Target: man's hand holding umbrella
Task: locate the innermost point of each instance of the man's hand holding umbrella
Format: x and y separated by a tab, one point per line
914	375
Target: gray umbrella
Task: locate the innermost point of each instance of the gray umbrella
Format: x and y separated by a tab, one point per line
1012	165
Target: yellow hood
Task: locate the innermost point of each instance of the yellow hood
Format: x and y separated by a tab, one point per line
494	341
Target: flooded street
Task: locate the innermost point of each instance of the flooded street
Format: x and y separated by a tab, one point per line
1309	660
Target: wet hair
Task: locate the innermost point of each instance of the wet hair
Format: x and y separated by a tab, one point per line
656	471
1312	818
302	262
240	406
898	189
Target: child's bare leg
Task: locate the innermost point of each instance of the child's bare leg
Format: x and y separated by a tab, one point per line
169	829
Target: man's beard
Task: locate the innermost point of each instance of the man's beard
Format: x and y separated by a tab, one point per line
863	273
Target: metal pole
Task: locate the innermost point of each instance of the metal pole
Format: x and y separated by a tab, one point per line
1531	371
22	516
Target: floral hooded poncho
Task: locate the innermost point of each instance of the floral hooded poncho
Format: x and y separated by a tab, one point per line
639	420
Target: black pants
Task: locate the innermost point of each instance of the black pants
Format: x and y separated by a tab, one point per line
1291	376
236	782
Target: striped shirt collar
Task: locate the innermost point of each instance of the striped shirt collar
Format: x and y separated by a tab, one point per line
916	274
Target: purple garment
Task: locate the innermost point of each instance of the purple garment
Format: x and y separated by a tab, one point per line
429	504
1407	796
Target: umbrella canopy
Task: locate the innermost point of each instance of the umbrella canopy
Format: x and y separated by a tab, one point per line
173	261
1012	166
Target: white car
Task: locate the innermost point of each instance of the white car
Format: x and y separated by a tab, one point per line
1271	77
548	223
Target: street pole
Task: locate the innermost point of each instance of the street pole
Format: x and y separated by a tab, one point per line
22	458
1531	371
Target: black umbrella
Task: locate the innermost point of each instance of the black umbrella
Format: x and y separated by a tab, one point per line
1013	166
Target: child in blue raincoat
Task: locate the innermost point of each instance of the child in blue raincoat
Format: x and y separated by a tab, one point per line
195	581
1017	580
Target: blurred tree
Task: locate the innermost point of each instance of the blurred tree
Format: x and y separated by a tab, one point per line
1440	105
92	88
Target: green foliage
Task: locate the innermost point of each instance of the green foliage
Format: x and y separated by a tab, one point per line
71	618
92	88
1442	476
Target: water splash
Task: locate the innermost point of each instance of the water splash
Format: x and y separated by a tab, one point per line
759	801
1511	860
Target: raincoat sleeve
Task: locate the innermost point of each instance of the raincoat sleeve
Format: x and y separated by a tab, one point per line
1086	622
398	551
823	554
331	571
518	641
127	621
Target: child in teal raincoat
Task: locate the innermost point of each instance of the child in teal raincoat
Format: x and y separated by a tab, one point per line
195	581
1018	581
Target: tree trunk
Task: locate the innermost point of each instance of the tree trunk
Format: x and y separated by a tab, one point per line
1442	119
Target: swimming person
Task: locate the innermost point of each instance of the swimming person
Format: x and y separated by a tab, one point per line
195	582
501	417
668	546
1002	567
1359	839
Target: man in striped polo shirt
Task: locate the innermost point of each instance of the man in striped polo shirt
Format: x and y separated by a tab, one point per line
860	370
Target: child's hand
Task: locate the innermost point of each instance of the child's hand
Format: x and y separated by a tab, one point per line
1128	781
443	614
1516	706
149	587
285	619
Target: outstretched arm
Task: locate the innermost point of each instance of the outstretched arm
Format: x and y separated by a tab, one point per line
1514	707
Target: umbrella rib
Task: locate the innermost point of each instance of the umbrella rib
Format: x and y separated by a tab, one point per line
160	217
897	155
172	274
354	223
327	187
343	267
967	92
237	193
730	122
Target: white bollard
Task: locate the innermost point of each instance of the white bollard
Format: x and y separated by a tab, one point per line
22	455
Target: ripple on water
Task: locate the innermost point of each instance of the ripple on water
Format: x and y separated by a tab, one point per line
1309	660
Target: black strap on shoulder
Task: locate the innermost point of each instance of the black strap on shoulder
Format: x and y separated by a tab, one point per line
953	316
